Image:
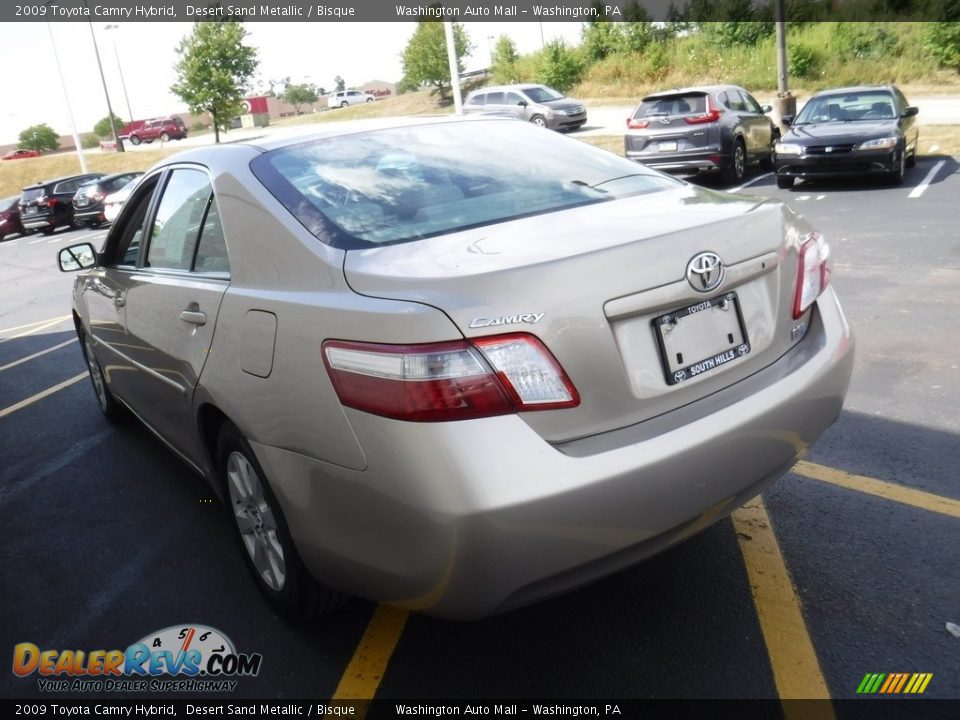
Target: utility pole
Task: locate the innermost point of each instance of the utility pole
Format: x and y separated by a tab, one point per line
786	104
454	67
66	97
113	120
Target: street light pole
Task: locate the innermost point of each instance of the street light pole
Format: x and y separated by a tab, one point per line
785	103
123	83
113	119
66	97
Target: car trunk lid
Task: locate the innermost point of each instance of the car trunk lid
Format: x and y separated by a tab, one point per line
595	283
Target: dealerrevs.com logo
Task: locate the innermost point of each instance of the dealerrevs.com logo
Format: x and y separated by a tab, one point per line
180	658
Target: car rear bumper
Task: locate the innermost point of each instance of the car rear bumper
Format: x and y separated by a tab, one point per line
38	222
851	163
88	213
465	519
681	163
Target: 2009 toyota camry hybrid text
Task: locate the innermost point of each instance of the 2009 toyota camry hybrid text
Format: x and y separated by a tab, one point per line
459	365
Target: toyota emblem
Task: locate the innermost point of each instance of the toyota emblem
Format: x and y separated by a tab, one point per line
705	272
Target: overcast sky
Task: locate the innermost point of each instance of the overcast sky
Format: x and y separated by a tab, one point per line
307	52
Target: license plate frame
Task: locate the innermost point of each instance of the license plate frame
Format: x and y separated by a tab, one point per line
678	369
667	146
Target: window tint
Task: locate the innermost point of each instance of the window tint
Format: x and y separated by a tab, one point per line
514	99
736	102
212	249
477	99
495	98
751	104
67	187
672	105
404	184
176	226
127	249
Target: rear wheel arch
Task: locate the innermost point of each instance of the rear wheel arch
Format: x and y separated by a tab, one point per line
210	419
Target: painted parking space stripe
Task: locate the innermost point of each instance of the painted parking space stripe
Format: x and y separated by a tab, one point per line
28	358
879	488
33	324
925	183
747	184
363	673
41	395
38	328
796	670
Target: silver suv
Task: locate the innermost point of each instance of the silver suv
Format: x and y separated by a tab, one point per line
535	103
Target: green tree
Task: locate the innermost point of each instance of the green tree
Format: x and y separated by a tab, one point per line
297	95
213	71
39	137
559	67
425	57
103	129
602	38
943	38
341	83
503	61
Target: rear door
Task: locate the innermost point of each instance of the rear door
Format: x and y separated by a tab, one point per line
172	302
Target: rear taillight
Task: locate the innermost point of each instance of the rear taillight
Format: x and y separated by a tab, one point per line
52	202
449	381
711	115
813	274
634	124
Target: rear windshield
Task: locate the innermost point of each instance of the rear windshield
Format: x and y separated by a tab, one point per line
403	184
31	195
687	104
875	105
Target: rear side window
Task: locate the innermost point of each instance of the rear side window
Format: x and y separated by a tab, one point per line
687	104
404	184
67	187
477	99
176	226
212	249
495	98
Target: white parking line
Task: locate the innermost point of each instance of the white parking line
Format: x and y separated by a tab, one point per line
9	243
34	242
925	183
750	182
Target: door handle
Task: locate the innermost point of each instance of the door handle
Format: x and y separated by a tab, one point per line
194	317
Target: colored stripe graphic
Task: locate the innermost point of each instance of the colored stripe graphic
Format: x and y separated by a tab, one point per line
894	683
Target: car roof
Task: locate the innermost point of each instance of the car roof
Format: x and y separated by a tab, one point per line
853	89
54	181
713	89
296	135
108	178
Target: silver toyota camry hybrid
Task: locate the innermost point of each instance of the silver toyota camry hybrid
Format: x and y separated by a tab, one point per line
459	365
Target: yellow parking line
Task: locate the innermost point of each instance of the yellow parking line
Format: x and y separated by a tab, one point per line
796	670
36	355
879	488
363	674
41	395
38	322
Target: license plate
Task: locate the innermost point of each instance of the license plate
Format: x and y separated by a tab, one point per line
30	211
700	338
668	146
83	202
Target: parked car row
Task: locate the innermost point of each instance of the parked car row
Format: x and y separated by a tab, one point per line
73	200
722	128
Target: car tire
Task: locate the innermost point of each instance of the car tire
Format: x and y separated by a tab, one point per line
539	120
736	168
369	99
164	137
912	157
48	230
262	533
344	104
766	163
896	176
784	183
111	409
134	140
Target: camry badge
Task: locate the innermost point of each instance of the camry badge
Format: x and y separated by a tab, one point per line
482	322
705	272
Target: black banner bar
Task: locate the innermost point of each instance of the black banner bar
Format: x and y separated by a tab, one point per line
458	10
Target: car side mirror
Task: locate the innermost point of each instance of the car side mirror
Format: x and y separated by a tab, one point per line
77	257
787	120
766	108
910	112
522	103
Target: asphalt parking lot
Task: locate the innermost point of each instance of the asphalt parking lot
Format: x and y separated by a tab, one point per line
849	566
